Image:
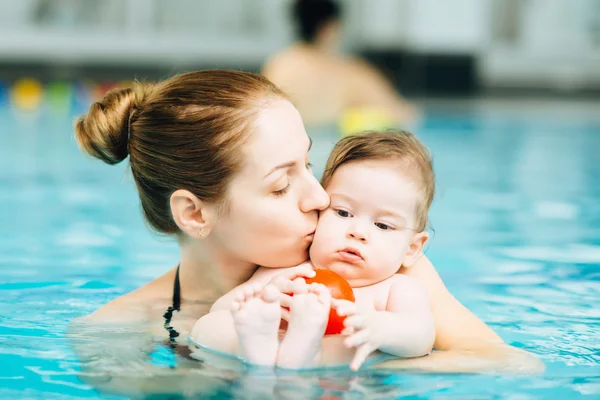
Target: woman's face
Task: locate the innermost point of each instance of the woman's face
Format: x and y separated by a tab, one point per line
275	199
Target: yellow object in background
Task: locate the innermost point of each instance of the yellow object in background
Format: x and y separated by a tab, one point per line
27	94
356	120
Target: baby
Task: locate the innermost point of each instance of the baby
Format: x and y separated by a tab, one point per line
381	186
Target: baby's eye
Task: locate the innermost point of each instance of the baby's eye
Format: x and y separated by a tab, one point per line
383	227
343	213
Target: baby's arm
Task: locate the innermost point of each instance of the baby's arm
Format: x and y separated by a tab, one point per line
405	329
408	320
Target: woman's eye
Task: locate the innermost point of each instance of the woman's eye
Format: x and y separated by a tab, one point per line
343	213
309	166
282	191
383	227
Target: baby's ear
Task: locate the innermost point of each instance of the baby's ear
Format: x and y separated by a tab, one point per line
415	249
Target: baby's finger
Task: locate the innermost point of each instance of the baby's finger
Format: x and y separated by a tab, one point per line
303	271
299	286
346	309
355	321
285	315
317	288
348	331
359	338
359	357
325	296
284	285
321	291
340	302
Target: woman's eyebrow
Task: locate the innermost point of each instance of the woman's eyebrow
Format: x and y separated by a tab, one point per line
282	166
289	163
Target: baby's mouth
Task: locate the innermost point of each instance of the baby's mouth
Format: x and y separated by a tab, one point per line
350	254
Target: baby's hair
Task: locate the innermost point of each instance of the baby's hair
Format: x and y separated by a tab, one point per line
400	147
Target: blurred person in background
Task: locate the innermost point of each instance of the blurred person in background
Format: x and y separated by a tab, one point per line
328	88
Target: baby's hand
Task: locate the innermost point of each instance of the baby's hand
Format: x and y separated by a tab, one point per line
290	282
356	327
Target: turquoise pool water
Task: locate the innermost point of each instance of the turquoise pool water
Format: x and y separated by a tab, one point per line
517	240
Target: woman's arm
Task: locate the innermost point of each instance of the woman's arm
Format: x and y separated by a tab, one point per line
494	358
457	328
467	344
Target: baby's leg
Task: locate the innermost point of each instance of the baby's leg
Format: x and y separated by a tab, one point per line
256	315
309	312
249	331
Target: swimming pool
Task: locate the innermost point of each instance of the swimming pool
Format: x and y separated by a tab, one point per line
517	240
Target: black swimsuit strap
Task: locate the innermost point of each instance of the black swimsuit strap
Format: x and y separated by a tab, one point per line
177	291
175	307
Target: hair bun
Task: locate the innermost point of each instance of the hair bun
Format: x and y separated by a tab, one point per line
104	131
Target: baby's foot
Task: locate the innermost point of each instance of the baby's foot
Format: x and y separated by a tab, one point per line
256	315
309	313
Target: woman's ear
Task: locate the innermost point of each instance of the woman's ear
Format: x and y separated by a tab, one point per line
192	215
415	249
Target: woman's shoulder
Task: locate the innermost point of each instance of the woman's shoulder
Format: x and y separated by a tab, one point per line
136	306
127	308
407	287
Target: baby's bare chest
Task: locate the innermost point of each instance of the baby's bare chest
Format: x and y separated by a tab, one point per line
373	297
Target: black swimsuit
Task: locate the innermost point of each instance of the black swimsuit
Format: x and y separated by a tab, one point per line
183	351
173	334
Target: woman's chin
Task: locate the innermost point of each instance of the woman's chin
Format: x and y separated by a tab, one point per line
285	259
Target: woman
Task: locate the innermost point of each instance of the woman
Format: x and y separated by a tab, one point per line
220	162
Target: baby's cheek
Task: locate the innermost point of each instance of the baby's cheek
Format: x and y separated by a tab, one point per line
318	249
315	249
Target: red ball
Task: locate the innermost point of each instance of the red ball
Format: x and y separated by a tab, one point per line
339	289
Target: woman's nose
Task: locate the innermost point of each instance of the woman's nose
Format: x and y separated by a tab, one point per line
314	197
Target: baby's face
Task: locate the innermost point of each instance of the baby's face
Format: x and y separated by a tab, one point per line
363	235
